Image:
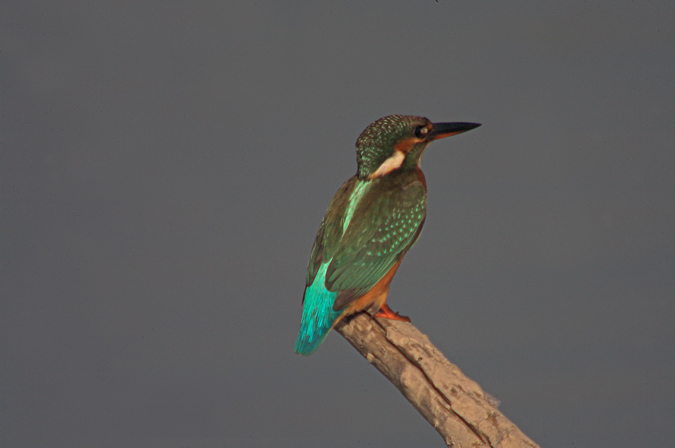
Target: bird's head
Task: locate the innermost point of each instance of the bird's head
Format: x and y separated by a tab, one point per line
398	141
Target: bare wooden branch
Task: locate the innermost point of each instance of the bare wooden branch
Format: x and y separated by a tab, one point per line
456	406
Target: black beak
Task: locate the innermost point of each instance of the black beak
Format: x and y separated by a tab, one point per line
442	130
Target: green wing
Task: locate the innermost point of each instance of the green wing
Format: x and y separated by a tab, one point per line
386	223
330	232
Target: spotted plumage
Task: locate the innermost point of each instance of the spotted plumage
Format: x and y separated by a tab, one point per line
372	221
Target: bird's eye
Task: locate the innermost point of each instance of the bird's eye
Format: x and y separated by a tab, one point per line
421	131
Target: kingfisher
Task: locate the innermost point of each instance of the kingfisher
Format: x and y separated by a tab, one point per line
372	221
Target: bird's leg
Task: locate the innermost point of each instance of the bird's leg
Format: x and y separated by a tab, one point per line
388	313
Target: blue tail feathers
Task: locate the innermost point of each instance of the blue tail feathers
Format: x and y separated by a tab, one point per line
318	316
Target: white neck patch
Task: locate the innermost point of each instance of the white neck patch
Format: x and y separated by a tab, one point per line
394	162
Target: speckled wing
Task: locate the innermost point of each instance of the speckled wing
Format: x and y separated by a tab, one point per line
330	232
386	223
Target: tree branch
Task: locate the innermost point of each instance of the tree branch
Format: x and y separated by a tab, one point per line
456	406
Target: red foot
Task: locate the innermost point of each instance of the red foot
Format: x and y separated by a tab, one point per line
388	313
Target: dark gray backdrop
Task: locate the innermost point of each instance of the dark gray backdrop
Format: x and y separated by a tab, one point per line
165	166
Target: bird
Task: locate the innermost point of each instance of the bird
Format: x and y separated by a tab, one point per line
374	218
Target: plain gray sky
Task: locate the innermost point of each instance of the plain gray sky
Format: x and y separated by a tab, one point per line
164	167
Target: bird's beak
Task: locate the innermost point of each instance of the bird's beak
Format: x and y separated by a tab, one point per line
442	130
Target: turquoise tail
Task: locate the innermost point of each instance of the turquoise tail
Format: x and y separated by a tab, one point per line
318	315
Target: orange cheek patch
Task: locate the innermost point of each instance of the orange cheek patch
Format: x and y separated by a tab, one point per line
405	145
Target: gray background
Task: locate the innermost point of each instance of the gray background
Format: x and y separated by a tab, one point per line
165	166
